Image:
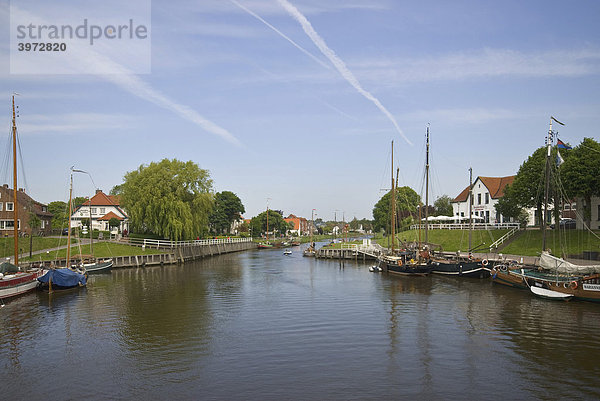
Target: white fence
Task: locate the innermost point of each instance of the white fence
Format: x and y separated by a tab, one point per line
465	226
162	244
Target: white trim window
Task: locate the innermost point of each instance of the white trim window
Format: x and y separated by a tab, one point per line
10	206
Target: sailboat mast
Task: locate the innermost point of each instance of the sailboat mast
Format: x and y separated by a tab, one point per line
547	186
393	222
15	205
69	225
470	205
427	188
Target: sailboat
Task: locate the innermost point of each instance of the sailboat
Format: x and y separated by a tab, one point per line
67	277
14	281
267	244
311	251
555	278
460	266
413	262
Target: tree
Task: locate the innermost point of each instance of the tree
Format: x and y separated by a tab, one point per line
34	223
114	222
60	213
258	224
116	190
227	209
407	201
169	198
78	201
580	174
443	206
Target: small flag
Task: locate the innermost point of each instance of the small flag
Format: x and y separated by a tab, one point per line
561	145
559	159
555	120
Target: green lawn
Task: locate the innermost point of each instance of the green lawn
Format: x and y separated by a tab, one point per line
450	240
39	243
101	250
528	244
575	242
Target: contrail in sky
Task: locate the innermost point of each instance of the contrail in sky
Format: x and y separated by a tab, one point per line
337	62
303	50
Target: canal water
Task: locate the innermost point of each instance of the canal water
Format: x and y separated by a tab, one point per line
260	325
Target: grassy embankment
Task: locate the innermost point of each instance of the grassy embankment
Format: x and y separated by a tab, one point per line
39	243
528	244
101	250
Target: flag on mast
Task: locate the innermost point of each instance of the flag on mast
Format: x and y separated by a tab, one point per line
561	145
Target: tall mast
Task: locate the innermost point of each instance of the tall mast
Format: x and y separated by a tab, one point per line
393	223
15	205
547	186
427	187
267	222
69	225
470	204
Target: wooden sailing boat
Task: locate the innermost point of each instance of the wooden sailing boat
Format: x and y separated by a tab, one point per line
14	281
556	278
69	276
406	262
311	251
267	244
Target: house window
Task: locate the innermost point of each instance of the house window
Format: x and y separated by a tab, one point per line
102	210
479	199
487	198
1	206
462	214
487	216
567	206
10	206
93	210
573	206
9	224
43	224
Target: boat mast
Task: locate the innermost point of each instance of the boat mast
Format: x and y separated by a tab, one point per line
470	205
393	201
427	188
15	205
69	225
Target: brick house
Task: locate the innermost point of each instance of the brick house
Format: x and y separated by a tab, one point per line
300	224
27	207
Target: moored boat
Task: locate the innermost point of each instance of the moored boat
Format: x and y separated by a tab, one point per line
62	279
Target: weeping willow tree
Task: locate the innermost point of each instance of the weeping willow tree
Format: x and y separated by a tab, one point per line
170	198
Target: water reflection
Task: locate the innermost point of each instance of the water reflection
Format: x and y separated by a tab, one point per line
261	325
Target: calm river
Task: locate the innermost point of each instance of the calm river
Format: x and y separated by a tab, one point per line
259	325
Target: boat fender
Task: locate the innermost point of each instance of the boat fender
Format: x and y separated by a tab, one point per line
566	285
503	268
399	262
574	285
485	262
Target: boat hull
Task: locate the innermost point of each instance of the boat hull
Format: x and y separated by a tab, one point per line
99	267
460	269
405	269
19	284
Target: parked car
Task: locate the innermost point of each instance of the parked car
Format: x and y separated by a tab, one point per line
566	224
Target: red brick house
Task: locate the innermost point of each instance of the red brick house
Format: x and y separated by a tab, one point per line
27	207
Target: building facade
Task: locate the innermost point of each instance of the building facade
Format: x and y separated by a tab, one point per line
486	193
301	225
27	208
101	208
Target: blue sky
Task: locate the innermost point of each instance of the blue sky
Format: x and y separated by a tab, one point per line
240	88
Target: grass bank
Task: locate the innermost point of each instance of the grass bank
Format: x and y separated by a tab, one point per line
573	242
450	240
101	250
39	243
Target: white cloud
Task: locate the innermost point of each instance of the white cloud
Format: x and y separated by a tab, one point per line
483	64
74	123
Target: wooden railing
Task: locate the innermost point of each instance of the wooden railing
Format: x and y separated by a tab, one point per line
505	237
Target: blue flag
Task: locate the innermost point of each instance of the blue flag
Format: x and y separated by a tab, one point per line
561	145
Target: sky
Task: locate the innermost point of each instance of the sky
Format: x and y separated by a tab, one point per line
293	104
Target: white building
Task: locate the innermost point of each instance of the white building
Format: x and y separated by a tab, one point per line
595	213
102	208
486	193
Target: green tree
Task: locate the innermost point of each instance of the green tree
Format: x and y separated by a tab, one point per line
169	198
277	224
34	224
407	201
227	208
114	222
580	174
60	212
443	206
78	201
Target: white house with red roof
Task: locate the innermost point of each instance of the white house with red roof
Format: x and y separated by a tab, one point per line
486	193
102	208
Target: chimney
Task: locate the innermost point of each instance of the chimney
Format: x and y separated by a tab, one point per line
21	190
98	191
